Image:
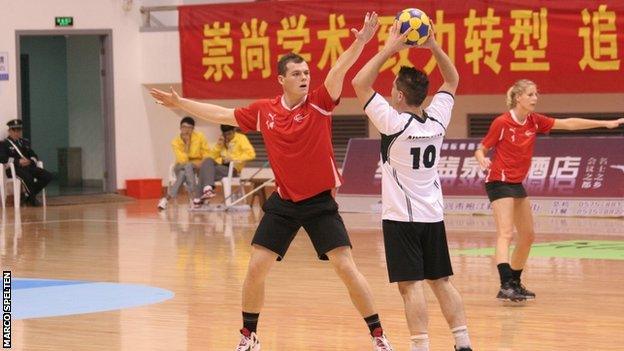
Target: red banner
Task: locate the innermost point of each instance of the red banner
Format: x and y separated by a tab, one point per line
561	168
231	50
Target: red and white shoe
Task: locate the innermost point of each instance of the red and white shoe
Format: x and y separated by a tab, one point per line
380	343
249	341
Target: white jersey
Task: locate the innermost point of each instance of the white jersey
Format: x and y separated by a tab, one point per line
410	150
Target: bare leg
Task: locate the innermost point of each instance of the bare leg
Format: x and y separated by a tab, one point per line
260	264
503	215
415	306
359	290
523	219
450	301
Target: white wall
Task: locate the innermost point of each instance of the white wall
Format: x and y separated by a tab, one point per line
134	143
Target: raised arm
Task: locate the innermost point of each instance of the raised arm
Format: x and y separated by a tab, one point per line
364	79
583	123
209	112
336	75
445	65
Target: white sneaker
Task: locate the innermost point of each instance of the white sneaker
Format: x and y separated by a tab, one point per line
162	204
208	193
248	342
380	343
196	204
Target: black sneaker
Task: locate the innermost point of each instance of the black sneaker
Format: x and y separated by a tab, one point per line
463	349
32	201
510	292
528	294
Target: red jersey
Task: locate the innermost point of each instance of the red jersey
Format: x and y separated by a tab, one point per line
513	145
298	142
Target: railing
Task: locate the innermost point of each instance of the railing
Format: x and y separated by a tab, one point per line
152	23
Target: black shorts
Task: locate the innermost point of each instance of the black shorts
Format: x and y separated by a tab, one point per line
416	251
318	215
497	190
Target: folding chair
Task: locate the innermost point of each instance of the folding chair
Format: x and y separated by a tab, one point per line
228	182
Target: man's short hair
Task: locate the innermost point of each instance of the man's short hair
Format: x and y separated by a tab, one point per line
188	120
284	60
414	84
226	128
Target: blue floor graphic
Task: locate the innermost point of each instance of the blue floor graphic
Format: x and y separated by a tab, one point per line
37	298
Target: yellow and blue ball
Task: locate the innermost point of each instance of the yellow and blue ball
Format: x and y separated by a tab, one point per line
418	21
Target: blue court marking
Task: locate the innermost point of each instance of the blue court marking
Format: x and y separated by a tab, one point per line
38	298
40	283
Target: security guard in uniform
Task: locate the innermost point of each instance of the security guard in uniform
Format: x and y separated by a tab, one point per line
34	179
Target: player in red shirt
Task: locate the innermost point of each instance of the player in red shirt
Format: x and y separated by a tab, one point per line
296	128
512	136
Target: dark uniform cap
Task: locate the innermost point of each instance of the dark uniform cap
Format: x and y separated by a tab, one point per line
15	124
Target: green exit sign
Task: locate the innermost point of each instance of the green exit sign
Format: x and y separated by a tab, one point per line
64	21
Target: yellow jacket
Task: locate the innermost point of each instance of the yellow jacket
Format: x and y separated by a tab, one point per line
239	150
197	150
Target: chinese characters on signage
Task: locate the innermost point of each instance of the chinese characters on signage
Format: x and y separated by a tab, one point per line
485	41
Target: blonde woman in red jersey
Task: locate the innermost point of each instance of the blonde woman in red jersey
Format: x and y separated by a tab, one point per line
512	135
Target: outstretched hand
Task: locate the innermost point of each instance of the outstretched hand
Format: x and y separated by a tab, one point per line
431	39
171	99
614	123
396	41
368	29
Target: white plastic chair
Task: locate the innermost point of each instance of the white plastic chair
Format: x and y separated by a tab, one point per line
13	181
43	191
228	182
16	182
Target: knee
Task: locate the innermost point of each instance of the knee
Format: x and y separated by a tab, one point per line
440	284
527	236
407	289
342	262
505	234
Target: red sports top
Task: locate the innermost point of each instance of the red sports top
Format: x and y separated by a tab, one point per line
513	145
298	142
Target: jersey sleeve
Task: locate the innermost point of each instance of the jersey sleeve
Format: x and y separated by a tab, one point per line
321	98
494	134
384	117
544	123
441	106
248	118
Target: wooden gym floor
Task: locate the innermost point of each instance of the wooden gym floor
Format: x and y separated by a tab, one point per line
202	258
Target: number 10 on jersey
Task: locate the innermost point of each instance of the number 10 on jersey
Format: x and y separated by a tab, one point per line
428	157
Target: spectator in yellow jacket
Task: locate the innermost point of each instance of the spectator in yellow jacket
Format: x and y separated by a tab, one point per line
231	147
190	149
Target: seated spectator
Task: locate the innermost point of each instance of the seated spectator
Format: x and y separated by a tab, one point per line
34	179
231	147
190	149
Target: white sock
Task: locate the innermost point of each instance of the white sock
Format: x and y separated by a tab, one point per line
207	188
420	342
461	336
